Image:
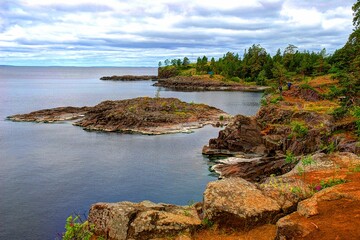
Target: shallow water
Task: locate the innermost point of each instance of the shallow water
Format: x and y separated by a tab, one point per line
49	171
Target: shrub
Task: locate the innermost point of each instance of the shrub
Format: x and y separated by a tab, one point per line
77	229
356	114
290	157
339	112
276	99
235	79
299	128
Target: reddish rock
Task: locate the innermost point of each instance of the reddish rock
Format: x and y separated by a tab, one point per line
239	204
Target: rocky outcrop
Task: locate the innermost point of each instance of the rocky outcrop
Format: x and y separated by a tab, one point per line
243	135
140	115
204	83
331	212
252	169
274	130
144	220
129	78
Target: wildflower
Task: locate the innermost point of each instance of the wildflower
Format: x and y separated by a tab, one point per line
318	188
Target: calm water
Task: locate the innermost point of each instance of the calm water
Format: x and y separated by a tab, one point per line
49	171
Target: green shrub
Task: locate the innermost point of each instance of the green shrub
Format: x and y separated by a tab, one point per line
263	102
77	229
290	157
276	99
356	114
299	128
235	79
306	86
339	112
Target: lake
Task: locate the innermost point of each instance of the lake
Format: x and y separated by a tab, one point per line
50	171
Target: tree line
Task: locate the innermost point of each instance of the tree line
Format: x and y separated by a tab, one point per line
256	65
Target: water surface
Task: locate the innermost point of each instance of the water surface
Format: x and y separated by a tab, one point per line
49	171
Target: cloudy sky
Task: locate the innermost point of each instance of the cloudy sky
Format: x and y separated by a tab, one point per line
143	32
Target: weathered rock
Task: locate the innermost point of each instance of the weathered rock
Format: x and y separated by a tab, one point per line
301	92
234	202
252	169
145	220
322	161
52	115
241	136
329	214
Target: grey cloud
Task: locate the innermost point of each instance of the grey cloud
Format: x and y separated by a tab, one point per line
323	6
266	10
80	8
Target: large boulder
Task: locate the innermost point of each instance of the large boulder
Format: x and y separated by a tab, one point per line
144	220
236	203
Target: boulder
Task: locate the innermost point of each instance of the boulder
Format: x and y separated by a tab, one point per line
237	203
144	220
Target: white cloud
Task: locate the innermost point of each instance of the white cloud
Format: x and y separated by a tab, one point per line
82	30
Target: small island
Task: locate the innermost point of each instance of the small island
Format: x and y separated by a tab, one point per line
129	78
144	115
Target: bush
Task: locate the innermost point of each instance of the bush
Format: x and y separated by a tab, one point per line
356	114
77	229
299	128
235	79
339	112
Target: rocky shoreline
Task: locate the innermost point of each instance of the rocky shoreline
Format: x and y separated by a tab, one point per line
129	78
204	83
288	202
144	115
282	171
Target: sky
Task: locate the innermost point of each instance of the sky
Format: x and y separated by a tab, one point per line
142	33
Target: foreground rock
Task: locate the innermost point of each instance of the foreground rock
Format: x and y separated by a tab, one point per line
331	212
145	220
129	78
140	115
236	203
204	83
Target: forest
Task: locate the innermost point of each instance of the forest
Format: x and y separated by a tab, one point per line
257	66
